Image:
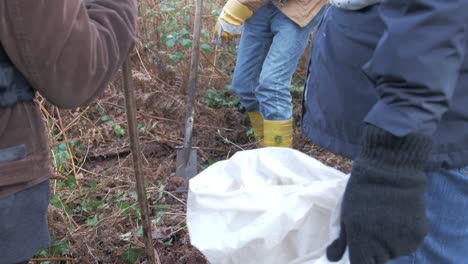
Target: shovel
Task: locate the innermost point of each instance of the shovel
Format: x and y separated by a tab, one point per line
186	161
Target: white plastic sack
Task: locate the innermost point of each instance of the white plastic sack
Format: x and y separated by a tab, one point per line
269	205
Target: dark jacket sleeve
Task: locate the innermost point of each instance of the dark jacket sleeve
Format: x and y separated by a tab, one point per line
416	64
69	50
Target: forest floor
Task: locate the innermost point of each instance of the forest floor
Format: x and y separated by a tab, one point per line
94	215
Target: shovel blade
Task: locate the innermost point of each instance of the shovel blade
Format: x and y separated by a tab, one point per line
186	167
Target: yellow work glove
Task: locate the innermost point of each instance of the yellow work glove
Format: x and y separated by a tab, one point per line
228	28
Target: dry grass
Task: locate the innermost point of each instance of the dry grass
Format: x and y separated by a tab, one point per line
93	215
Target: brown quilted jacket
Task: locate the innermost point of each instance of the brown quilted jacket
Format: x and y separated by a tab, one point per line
68	50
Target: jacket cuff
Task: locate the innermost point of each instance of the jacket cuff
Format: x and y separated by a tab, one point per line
384	149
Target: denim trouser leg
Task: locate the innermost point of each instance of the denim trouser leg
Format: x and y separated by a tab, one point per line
447	212
270	48
254	44
273	91
23	223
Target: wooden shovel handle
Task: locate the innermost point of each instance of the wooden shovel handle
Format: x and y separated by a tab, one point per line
130	104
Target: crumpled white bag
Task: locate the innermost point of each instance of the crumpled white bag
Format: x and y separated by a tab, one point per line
268	205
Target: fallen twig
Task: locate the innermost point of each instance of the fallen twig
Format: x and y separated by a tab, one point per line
39	260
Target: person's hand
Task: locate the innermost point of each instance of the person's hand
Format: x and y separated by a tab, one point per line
228	28
383	212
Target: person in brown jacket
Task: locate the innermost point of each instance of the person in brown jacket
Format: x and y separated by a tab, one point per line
68	51
274	36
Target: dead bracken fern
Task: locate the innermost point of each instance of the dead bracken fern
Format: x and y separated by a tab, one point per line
93	216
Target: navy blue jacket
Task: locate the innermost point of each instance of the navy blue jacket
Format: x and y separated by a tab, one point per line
399	65
13	87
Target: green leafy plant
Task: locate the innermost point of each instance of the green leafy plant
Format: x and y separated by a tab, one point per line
60	154
207	164
131	255
176	31
250	132
57	248
297	87
221	98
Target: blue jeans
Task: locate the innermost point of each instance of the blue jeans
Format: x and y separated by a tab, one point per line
270	48
23	223
447	212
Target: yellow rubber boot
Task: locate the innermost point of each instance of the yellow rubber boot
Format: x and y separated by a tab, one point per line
278	133
256	121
